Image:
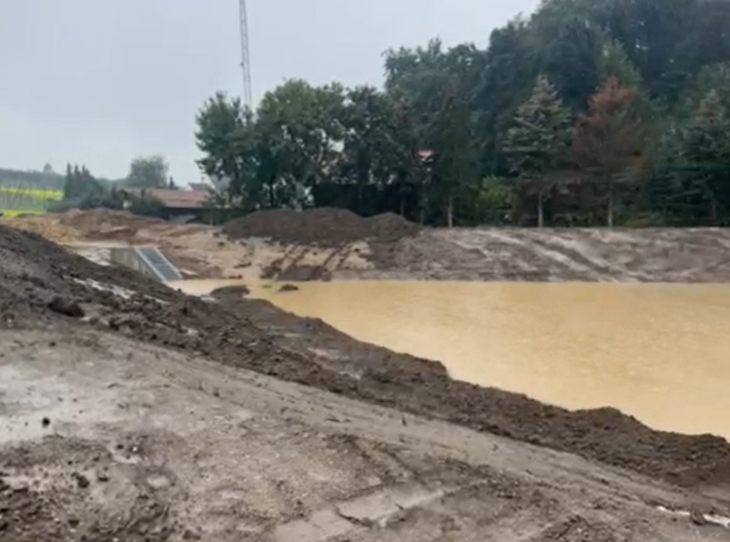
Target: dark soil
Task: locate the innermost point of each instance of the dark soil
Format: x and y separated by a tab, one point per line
239	333
66	511
324	226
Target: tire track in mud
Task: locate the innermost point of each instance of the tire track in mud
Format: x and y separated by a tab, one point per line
554	246
528	258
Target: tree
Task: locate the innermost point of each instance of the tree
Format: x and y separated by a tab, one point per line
373	151
453	164
423	75
505	82
614	62
226	135
713	77
538	142
609	139
706	156
567	46
368	152
80	185
301	126
148	172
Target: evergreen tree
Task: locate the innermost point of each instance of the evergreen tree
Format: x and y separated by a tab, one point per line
609	139
706	156
537	144
80	185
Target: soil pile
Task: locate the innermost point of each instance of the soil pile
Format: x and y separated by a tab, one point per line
35	272
323	227
49	228
76	225
99	219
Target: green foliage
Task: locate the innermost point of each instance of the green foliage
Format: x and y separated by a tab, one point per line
449	116
80	184
148	172
84	191
538	143
493	202
706	158
453	164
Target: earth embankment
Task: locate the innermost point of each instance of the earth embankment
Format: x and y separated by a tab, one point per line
35	273
324	244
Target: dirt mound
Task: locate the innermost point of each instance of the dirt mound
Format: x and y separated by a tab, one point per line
50	228
77	225
102	219
322	226
242	333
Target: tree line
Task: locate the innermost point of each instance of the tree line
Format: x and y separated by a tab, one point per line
588	112
82	190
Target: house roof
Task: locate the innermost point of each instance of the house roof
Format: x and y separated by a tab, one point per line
180	199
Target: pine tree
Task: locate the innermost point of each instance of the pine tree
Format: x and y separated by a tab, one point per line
538	142
614	62
608	140
706	155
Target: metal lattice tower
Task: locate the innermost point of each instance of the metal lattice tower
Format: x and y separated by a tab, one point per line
245	57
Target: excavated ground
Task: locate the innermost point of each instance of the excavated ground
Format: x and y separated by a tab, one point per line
333	244
131	411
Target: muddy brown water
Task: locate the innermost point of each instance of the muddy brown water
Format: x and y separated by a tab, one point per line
658	352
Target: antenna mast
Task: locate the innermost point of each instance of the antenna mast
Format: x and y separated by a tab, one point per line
245	57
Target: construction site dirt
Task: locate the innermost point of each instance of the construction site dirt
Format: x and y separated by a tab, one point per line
334	244
130	411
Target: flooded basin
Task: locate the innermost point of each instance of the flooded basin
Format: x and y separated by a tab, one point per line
658	352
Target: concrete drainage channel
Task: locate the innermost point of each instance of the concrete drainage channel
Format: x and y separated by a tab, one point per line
147	260
144	259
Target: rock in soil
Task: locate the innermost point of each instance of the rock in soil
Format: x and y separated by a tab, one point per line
288	288
66	307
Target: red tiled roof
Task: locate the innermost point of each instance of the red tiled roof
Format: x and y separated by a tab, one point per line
181	199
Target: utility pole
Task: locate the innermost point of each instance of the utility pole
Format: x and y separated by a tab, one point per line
245	57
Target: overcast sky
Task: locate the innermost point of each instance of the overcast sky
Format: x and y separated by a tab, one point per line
101	81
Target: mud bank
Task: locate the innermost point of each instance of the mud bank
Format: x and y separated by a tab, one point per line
129	411
256	336
335	244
